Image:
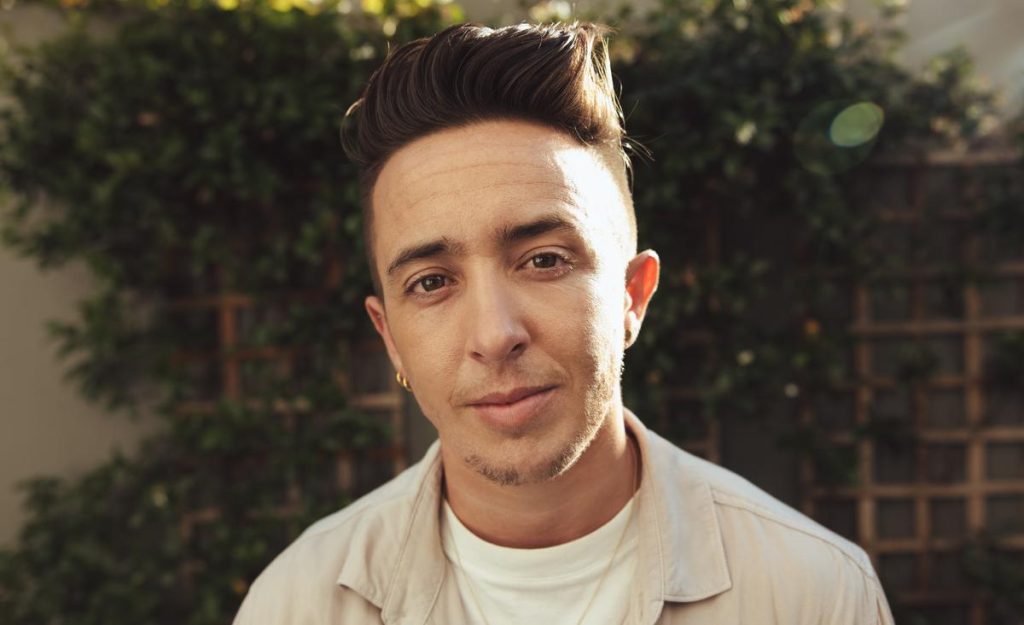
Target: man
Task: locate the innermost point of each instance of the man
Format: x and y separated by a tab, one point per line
502	241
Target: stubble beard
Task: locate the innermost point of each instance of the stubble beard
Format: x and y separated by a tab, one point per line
559	464
597	407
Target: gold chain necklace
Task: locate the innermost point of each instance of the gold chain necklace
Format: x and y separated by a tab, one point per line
632	513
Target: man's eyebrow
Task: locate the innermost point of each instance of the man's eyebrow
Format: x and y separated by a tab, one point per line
440	247
514	234
506	235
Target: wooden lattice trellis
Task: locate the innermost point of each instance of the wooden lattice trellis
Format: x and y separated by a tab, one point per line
681	416
943	457
961	471
683	419
219	373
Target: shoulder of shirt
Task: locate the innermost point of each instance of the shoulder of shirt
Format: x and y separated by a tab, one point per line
366	530
733	492
398	492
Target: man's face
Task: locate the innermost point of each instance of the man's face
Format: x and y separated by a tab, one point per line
502	249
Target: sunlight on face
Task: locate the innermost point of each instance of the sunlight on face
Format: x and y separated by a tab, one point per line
502	248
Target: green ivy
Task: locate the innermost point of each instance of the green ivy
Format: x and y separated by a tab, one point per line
739	102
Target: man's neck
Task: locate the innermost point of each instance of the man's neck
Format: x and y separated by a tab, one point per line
556	511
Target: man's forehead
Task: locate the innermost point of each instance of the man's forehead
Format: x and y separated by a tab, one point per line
457	187
473	185
481	159
483	231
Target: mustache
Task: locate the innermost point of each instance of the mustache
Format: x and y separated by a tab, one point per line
471	391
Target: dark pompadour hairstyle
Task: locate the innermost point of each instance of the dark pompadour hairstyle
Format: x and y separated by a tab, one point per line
557	75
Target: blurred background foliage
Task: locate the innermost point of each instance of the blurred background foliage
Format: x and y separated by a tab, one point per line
194	152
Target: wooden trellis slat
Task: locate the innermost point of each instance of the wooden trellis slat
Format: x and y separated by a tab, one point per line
940	326
706	443
913	489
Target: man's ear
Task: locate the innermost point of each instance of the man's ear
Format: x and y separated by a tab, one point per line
641	282
375	308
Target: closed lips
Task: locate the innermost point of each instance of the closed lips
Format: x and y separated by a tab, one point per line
498	399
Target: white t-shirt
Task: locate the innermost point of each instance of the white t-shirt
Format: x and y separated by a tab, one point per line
547	586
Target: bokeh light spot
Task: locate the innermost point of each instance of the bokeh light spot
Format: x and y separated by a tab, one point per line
837	135
857	124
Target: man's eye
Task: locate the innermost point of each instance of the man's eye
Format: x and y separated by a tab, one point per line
545	261
430	283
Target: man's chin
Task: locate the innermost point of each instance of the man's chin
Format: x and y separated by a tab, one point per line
510	473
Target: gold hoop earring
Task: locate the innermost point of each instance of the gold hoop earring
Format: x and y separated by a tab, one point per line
629	336
403	381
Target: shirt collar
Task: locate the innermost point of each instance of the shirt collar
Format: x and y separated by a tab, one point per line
681	549
404	576
682	556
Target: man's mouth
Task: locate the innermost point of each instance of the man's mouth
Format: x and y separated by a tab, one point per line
513	409
509	397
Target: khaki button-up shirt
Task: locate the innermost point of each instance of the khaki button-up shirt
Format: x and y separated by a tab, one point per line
714	549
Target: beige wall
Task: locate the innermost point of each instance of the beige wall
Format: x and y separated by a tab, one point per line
46	428
992	30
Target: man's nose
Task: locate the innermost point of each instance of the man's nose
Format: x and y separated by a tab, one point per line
495	323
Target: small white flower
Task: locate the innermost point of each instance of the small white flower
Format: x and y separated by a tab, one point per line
562	9
551	11
834	37
746	132
158	496
362	53
988	124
